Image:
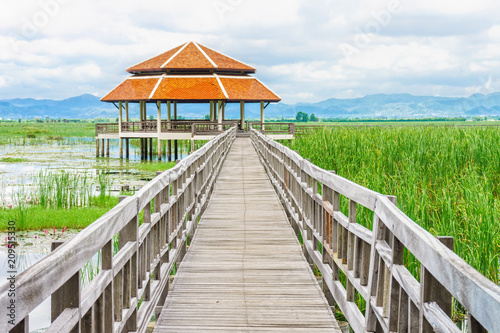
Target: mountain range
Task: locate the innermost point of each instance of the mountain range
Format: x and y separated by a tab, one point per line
391	106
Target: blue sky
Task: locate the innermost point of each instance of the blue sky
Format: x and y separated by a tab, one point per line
306	51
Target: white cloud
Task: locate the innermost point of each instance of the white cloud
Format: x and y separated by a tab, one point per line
423	47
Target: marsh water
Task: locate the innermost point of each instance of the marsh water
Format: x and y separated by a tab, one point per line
71	155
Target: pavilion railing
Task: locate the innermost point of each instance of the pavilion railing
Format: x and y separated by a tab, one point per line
132	282
272	128
363	267
177	126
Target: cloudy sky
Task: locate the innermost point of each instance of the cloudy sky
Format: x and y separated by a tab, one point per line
306	51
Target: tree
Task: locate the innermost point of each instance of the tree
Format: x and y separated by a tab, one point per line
302	117
313	117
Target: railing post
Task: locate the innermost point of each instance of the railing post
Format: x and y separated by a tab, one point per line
67	296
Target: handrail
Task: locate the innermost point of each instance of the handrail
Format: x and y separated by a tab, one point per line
272	128
134	281
151	126
372	260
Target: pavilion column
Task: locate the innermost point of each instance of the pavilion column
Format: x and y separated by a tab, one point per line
142	116
126	140
107	147
262	116
169	127
219	116
120	141
211	118
97	147
158	127
223	111
169	115
176	155
242	115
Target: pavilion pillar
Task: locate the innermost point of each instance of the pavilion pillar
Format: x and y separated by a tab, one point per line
175	141
126	140
169	115
211	118
242	115
102	147
219	116
158	127
223	111
120	141
141	117
96	147
107	147
262	113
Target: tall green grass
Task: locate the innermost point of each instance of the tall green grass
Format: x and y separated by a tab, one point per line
447	179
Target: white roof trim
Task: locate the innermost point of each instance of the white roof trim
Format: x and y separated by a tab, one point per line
156	87
175	55
268	88
225	55
206	56
221	86
138	77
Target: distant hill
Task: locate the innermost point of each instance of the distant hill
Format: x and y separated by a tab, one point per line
373	106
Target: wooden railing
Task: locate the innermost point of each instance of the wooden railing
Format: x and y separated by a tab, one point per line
132	283
272	128
180	126
370	262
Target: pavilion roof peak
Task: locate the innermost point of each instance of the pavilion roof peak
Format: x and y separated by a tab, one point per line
191	57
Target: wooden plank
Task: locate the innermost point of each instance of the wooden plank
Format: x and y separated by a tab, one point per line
245	268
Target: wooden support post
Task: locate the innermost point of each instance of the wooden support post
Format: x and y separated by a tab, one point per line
169	150
67	296
150	149
97	147
127	143
158	125
107	147
175	150
242	115
262	115
102	148
169	115
219	115
433	291
175	110
120	141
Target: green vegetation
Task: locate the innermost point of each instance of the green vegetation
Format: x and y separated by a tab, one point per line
446	178
154	166
50	130
59	199
12	160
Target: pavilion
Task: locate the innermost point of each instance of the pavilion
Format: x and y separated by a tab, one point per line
189	73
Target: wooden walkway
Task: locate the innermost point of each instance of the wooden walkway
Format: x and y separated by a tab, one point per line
245	270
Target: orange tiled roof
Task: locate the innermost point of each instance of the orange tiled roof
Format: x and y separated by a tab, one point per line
191	88
132	89
247	89
191	57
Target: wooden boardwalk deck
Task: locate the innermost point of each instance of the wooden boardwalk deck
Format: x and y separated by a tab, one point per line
245	270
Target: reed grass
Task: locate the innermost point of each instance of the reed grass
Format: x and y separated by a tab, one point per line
447	179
